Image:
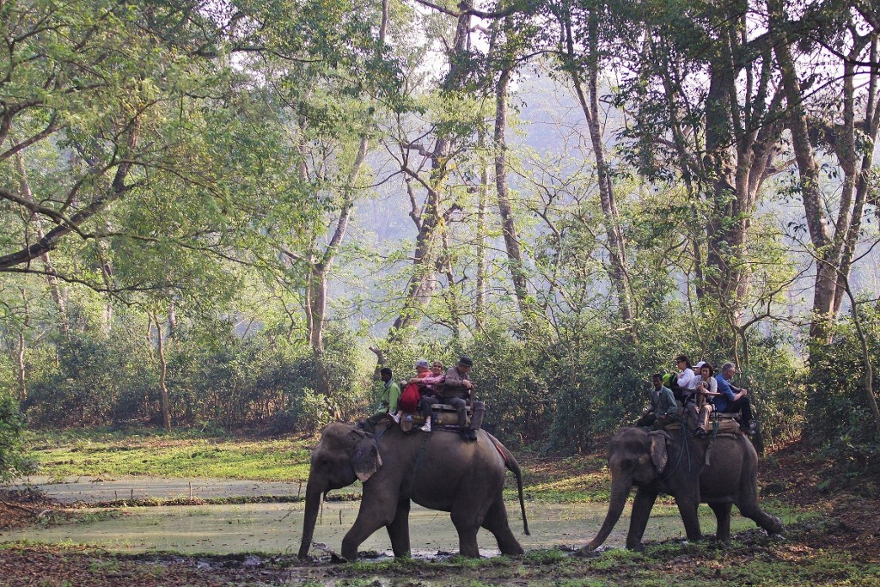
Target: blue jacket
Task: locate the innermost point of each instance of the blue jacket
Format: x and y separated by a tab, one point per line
727	396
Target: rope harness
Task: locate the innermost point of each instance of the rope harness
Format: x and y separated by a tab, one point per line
381	433
685	447
420	459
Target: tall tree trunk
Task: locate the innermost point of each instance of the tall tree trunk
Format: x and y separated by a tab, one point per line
427	218
422	281
319	265
589	101
833	251
316	302
172	320
833	244
22	372
860	176
741	132
163	370
508	225
54	287
450	292
726	227
825	285
480	301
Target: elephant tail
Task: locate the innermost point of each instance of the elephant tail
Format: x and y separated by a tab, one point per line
510	463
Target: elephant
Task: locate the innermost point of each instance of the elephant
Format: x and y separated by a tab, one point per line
437	470
657	462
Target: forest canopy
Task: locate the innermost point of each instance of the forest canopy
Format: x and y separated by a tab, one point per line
231	213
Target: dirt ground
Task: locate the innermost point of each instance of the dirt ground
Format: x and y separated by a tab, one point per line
844	520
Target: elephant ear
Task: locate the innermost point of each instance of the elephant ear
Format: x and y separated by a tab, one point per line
366	459
658	449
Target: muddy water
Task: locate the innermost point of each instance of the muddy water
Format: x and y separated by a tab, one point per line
276	528
91	490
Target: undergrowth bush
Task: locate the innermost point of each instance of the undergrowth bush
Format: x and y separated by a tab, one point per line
13	462
214	378
837	408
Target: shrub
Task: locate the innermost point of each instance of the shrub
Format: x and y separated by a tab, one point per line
13	462
837	410
84	385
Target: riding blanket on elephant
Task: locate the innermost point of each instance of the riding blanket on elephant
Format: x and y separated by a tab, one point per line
724	424
443	415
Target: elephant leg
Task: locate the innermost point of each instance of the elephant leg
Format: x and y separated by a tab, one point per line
641	511
398	529
496	522
687	508
747	500
467	520
722	515
374	513
753	511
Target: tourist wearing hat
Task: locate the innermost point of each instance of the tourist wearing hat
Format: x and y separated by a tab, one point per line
457	389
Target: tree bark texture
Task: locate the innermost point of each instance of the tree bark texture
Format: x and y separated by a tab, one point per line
22	348
505	210
480	294
833	243
163	371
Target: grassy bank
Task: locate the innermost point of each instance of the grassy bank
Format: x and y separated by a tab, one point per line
107	454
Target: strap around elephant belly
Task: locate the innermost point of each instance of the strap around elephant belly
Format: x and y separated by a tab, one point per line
684	447
420	459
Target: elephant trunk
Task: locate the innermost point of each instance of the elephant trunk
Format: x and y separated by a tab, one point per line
314	493
620	487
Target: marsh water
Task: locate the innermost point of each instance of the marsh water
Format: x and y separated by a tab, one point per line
275	528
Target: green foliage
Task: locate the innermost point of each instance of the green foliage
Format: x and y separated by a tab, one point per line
604	384
510	381
13	462
192	162
774	378
92	381
216	377
837	411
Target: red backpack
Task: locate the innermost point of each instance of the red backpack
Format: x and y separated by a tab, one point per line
409	399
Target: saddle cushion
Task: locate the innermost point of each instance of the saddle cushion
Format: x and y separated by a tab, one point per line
446	415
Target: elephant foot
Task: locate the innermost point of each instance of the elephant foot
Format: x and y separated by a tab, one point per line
775	526
512	550
635	547
348	554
